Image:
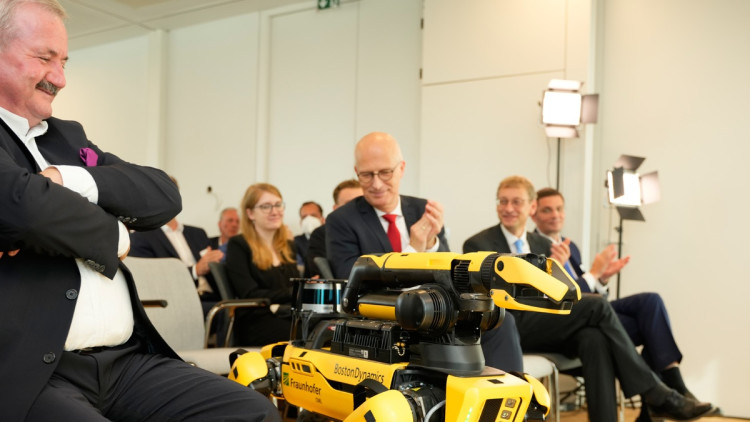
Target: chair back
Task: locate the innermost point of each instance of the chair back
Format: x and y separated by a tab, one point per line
219	271
178	314
324	266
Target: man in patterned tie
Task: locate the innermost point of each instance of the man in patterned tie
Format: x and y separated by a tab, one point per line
643	315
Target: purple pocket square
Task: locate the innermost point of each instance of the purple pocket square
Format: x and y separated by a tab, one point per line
89	157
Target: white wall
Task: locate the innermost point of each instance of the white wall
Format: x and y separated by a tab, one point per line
106	91
671	76
486	64
212	91
255	98
673	85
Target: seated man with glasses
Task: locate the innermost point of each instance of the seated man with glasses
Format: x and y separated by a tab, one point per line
381	220
363	226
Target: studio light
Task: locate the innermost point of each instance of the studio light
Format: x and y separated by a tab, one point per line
564	108
628	190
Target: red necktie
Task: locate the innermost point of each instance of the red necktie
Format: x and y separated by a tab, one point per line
393	234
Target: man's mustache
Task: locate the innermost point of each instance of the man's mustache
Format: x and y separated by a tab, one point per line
48	87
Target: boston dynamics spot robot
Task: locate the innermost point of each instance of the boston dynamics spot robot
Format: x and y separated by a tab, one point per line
400	340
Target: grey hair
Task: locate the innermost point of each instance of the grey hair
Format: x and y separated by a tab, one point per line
7	13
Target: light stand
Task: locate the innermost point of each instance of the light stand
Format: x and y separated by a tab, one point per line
628	190
557	177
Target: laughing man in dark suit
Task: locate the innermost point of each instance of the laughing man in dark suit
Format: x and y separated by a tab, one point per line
76	342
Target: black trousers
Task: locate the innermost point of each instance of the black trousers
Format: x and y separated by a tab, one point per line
646	321
124	384
502	346
594	333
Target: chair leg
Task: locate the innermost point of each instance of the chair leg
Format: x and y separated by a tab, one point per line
621	403
230	327
555	385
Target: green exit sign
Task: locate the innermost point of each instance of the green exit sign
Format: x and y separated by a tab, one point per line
326	4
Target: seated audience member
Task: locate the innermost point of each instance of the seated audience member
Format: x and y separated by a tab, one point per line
229	225
362	227
75	341
381	220
310	218
592	331
187	243
343	193
643	315
260	262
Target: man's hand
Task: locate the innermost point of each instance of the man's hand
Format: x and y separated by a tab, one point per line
10	253
211	255
423	233
561	251
53	174
606	264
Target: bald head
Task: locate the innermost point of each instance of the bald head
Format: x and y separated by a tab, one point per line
377	143
379	166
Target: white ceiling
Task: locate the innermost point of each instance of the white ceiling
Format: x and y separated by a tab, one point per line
92	22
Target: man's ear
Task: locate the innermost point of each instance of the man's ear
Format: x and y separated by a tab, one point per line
532	210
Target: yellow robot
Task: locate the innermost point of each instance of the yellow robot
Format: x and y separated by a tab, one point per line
404	344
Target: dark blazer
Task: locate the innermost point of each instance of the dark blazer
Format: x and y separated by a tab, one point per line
316	246
52	225
156	244
249	281
213	242
575	264
353	230
493	239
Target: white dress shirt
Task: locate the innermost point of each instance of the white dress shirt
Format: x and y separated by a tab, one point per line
511	239
103	314
177	238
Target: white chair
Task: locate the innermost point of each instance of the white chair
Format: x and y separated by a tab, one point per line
168	293
542	368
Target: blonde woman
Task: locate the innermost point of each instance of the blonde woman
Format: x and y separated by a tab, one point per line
260	261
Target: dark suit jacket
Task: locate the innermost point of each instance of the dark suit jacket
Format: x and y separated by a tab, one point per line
493	239
300	244
213	242
353	230
52	225
156	244
575	263
316	246
249	281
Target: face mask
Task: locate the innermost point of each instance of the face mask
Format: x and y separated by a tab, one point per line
309	224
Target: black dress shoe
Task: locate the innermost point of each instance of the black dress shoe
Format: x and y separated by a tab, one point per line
715	410
680	408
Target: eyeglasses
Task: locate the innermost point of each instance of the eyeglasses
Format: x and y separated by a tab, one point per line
366	177
515	202
266	208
